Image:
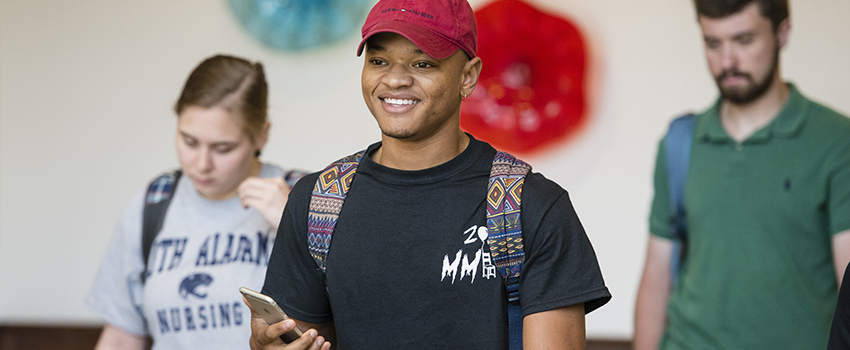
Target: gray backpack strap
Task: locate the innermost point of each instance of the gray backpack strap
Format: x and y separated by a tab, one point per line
678	151
157	199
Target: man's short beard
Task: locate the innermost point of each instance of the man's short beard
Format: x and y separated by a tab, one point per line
400	135
755	90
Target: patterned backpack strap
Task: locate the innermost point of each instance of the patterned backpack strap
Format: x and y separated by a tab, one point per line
504	227
504	233
157	199
162	187
326	203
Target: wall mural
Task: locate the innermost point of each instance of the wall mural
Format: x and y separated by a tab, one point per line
530	93
292	25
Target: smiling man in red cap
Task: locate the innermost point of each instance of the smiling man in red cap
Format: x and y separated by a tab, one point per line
410	264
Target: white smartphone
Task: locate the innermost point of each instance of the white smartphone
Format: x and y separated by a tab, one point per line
271	313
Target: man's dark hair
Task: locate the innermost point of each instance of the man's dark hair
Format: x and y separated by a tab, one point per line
775	10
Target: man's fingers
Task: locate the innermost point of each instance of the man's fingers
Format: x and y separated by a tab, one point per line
320	344
276	330
263	334
259	328
309	340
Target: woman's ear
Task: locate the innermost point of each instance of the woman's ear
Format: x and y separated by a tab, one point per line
262	138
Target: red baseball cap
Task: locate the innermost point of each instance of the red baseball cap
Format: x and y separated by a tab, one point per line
438	27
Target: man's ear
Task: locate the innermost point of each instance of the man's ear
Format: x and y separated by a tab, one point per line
783	31
471	72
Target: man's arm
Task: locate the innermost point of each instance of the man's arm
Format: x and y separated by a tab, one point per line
327	331
554	329
841	253
653	293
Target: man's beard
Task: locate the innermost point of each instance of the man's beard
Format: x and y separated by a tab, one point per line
398	134
747	94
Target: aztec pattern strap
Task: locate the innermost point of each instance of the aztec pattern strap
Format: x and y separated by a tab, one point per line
503	214
326	203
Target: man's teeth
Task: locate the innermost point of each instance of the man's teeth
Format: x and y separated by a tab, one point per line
396	101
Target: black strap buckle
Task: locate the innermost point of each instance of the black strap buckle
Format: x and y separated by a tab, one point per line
512	287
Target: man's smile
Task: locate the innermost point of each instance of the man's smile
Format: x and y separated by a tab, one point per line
399	101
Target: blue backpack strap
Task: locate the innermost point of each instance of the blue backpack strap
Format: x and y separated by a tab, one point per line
504	228
326	203
677	144
157	199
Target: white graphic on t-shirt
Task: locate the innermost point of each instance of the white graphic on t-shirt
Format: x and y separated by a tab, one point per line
469	267
450	268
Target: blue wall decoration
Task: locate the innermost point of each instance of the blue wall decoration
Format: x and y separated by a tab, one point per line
292	25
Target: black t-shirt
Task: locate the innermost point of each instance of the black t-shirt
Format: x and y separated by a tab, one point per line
407	265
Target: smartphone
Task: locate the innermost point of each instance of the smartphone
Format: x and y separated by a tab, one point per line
271	313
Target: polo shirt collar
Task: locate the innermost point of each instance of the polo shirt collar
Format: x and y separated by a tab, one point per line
787	123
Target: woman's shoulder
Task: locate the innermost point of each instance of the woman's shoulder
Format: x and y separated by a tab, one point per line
271	170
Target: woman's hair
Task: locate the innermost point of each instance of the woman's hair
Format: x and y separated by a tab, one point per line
775	10
232	83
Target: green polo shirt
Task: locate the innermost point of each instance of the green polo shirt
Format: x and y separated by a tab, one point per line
760	214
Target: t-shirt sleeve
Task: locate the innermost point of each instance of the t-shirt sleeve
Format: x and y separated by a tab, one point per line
659	217
560	267
839	188
293	279
116	294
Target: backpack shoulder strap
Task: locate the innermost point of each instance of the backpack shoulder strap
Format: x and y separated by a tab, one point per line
157	199
504	227
326	203
504	232
292	176
677	147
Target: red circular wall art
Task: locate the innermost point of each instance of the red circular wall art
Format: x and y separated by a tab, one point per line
530	92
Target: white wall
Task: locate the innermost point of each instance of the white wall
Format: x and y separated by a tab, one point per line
86	89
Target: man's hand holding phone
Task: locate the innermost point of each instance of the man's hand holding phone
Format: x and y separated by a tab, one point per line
270	337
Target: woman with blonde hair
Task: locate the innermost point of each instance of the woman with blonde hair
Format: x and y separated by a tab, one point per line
217	228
